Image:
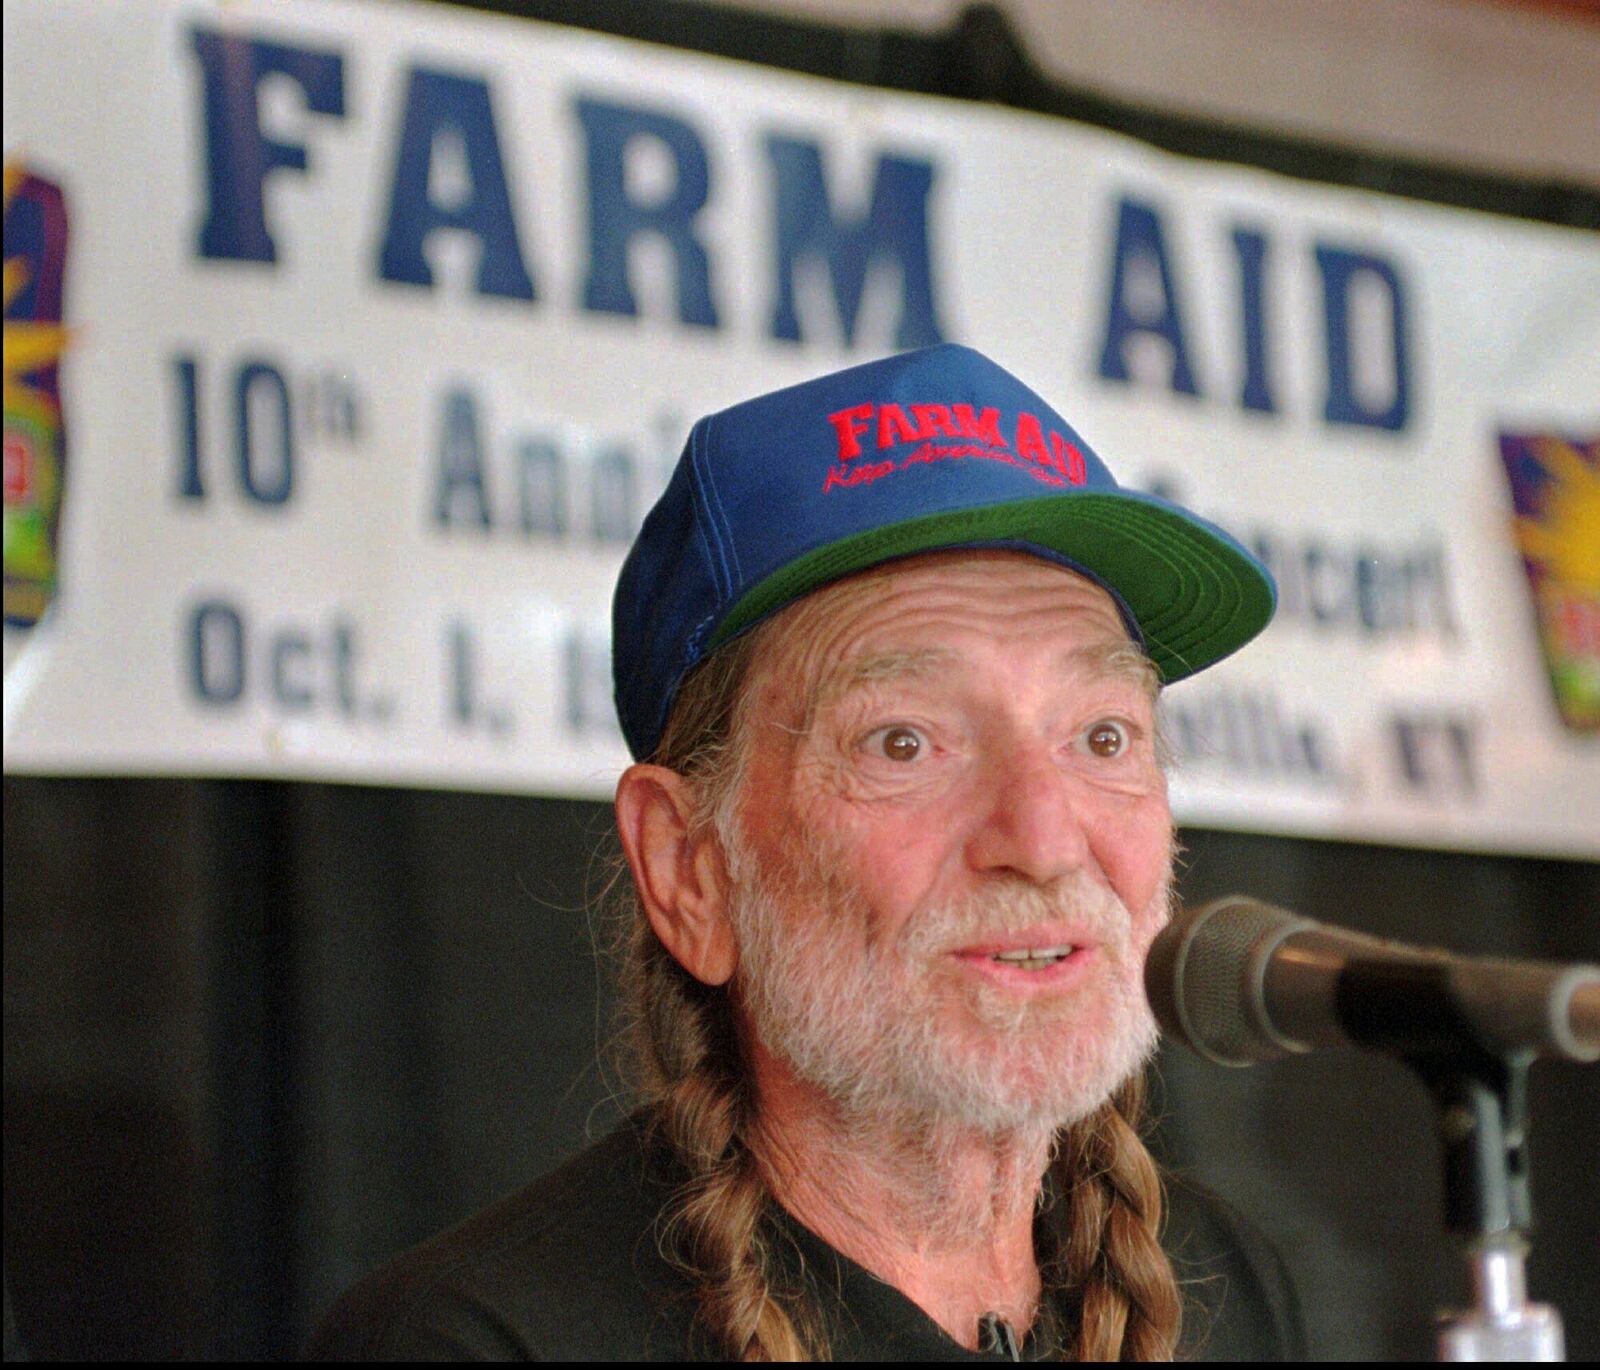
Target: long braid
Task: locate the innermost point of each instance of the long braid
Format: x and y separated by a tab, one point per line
713	1230
1111	1251
693	1073
691	1070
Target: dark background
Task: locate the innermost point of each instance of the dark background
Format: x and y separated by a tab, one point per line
260	1036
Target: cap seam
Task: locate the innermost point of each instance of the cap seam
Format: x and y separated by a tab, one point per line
721	538
731	547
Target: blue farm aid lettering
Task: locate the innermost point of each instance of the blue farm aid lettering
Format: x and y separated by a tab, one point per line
1366	333
890	233
1367	363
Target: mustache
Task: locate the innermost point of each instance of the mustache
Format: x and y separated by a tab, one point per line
1091	909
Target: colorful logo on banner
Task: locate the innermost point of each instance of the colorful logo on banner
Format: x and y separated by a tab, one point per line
1555	487
35	441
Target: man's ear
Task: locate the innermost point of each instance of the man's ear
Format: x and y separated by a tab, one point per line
680	874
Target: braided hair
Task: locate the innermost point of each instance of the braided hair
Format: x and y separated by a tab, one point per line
689	1068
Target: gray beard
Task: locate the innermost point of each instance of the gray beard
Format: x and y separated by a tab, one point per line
863	1020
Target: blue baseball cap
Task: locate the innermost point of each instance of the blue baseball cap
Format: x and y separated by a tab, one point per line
926	451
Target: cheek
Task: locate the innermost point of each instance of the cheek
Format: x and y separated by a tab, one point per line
892	862
898	874
1134	849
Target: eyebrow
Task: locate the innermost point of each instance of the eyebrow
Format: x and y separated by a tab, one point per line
1119	661
877	668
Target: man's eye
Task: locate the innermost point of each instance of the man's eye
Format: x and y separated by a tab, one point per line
1107	739
898	743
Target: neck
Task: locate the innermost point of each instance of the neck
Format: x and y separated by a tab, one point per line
941	1212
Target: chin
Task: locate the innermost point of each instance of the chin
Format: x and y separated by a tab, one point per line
1037	1083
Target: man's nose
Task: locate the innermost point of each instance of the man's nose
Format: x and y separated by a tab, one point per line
1033	818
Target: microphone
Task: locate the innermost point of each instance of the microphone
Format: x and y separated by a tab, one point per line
1240	982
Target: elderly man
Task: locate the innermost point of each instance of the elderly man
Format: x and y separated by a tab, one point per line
888	652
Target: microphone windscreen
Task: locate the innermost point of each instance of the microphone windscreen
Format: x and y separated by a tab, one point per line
1204	977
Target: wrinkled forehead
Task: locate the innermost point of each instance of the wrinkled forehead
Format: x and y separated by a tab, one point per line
933	614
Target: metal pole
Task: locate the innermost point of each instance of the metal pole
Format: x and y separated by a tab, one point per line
1503	1325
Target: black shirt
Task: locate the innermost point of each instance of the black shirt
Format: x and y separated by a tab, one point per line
568	1269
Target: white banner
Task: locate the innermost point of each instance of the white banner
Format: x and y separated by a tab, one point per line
383	324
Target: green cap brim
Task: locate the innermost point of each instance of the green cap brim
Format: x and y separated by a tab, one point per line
1193	592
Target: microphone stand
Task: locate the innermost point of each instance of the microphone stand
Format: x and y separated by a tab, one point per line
1481	1102
1482	1106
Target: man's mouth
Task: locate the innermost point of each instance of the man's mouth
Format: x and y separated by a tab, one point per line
1033	958
1031	963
